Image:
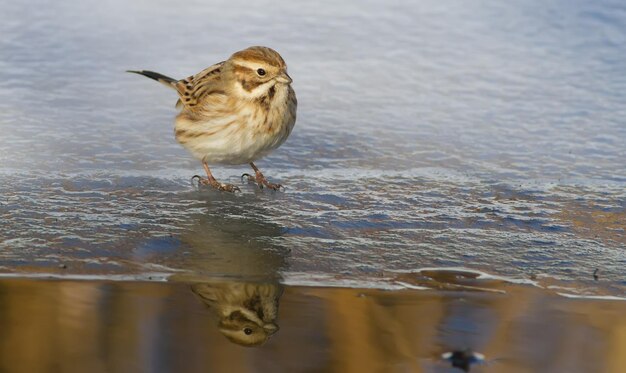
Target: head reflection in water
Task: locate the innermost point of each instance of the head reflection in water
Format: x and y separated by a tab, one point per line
246	311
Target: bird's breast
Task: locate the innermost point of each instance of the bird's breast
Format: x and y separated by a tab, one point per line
241	132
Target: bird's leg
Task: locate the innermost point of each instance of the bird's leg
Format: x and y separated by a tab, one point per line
210	180
260	180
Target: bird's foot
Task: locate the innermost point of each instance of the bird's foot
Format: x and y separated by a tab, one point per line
261	181
215	184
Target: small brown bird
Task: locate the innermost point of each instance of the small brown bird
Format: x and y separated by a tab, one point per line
246	312
234	112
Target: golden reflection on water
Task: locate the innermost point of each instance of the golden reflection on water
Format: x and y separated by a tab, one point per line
73	326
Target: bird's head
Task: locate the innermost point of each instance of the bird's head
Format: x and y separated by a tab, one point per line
255	72
246	330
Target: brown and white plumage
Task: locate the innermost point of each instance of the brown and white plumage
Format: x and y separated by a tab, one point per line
236	111
246	311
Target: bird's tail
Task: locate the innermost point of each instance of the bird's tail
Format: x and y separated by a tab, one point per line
165	80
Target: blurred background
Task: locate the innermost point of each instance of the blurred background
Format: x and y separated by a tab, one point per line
65	326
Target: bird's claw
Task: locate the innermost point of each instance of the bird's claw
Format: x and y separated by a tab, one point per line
213	183
275	187
251	178
199	181
229	188
262	182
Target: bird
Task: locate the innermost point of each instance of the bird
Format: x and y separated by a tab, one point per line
246	311
234	112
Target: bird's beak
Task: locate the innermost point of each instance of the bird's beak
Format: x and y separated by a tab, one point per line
284	78
271	328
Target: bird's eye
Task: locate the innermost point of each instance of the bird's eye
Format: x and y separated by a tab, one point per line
248	331
261	72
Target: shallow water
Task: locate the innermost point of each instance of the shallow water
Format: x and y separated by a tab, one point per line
68	326
438	134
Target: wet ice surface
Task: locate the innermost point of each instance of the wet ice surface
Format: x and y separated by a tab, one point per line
489	136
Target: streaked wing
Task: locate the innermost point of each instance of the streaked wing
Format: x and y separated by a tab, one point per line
194	88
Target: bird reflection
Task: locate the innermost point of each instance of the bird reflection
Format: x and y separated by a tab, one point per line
233	241
246	311
234	265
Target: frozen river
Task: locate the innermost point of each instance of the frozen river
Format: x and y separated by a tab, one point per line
489	135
